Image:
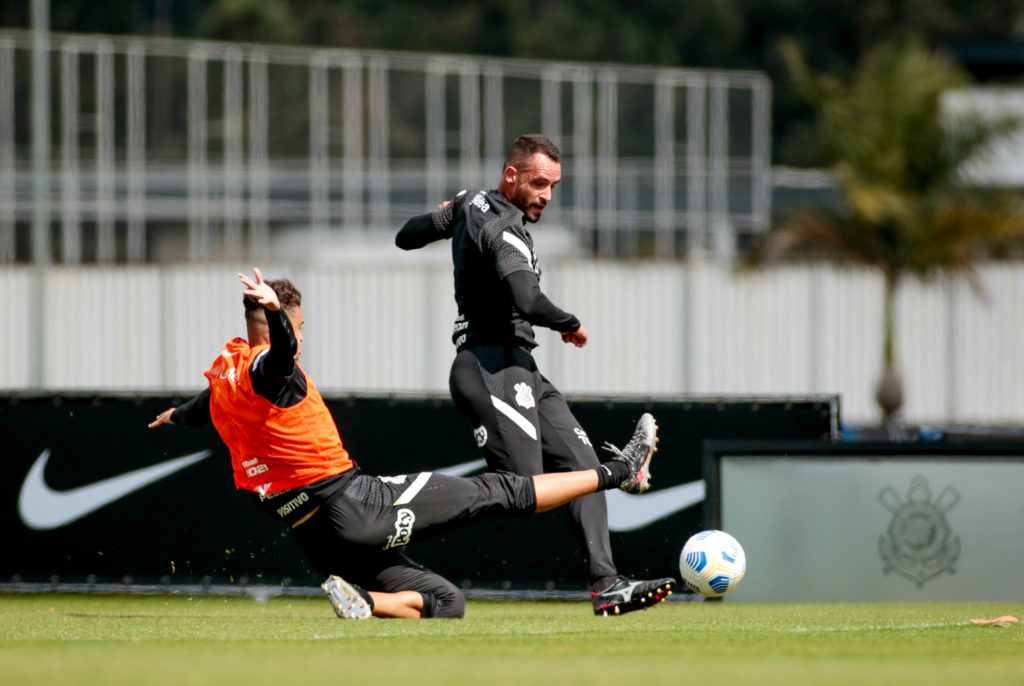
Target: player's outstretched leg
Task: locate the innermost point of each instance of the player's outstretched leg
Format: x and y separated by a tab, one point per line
629	470
347	601
637	454
625	595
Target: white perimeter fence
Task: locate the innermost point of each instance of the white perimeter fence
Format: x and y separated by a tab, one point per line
147	150
657	328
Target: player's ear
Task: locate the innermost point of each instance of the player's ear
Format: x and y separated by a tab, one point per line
510	174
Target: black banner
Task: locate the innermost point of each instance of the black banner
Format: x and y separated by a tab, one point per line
91	494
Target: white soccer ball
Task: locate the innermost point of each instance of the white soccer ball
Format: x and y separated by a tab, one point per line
712	563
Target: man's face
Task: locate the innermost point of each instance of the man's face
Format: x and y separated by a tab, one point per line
531	183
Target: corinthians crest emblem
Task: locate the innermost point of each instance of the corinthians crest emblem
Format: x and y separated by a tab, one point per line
920	544
524	395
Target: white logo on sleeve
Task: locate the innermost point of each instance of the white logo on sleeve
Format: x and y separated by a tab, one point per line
524	395
479	202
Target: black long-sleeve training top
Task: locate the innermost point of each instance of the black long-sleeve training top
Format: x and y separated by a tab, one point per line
497	279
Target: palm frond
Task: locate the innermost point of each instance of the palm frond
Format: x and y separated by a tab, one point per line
899	159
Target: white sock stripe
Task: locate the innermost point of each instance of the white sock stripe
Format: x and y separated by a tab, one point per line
414	488
513	414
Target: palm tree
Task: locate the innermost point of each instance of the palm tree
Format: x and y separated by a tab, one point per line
906	207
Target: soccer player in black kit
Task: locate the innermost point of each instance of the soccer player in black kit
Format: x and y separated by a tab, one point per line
521	422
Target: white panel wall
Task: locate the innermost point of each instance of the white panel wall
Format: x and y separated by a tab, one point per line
987	344
656	328
379	327
634	316
847	327
16	285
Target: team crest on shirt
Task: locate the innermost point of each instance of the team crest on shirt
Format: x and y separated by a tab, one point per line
480	434
524	395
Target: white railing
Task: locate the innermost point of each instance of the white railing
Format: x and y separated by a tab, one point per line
189	150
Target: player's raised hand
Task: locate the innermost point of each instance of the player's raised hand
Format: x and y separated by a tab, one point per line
259	290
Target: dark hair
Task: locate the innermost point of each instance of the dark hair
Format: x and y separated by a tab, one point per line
529	143
286	291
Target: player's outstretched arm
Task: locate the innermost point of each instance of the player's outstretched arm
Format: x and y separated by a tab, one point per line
193	412
424	229
524	289
417	232
163	418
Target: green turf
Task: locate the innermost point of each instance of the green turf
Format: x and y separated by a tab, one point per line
180	640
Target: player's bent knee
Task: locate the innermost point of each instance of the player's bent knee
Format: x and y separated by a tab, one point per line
444	603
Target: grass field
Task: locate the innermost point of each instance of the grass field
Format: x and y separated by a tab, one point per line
180	639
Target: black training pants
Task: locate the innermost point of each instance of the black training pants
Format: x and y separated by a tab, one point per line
360	533
523	425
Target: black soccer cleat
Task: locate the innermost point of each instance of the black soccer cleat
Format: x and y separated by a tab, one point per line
637	454
626	595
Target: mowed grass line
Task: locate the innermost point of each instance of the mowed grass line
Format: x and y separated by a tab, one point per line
140	640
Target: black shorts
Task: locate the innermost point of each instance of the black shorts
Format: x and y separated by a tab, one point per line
524	425
521	422
361	532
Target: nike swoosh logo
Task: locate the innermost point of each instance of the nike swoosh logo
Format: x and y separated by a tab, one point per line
629	512
625	512
43	508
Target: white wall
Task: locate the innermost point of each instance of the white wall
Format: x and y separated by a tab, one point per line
656	328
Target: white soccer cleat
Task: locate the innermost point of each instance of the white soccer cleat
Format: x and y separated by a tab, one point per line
347	601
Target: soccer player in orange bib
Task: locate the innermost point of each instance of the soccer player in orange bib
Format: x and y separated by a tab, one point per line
354	528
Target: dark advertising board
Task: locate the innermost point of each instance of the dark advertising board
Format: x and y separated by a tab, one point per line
92	495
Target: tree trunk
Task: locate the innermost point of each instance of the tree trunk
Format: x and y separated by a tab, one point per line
889	392
889	325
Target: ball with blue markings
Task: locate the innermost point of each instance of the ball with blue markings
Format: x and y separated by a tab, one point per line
712	563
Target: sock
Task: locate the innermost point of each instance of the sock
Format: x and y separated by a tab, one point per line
365	595
429	605
611	474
